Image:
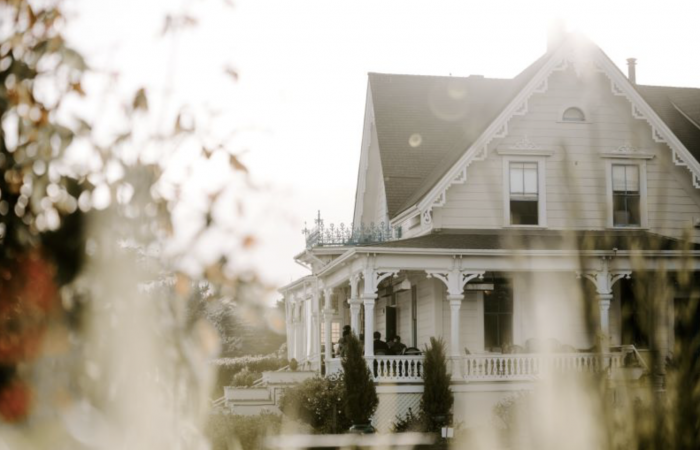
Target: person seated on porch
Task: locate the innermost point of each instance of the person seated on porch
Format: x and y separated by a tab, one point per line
396	347
380	347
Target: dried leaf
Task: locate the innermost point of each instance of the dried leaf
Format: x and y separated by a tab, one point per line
237	164
140	100
230	71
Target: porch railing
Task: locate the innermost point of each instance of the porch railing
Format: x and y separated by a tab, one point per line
516	367
532	366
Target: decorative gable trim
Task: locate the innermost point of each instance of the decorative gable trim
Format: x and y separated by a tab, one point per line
589	57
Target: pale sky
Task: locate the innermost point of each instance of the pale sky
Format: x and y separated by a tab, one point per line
298	106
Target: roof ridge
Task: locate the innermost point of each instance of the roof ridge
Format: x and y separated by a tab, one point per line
453	77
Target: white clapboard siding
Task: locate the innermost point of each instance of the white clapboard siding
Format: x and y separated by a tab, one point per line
575	179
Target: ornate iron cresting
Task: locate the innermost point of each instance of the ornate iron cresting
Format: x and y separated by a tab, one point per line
336	236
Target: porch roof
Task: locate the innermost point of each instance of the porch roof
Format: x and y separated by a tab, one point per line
509	239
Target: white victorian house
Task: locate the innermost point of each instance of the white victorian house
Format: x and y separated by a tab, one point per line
515	218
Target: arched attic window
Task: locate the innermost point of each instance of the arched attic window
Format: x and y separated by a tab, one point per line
573	114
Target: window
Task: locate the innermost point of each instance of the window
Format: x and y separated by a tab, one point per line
498	317
626	195
573	115
524	193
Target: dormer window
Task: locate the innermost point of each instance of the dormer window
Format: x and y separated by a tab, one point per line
573	114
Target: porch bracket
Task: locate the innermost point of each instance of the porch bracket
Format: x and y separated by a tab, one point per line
455	280
604	280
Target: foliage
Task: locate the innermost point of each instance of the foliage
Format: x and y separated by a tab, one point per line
245	378
437	400
318	402
410	422
227	430
361	393
293	364
510	409
230	369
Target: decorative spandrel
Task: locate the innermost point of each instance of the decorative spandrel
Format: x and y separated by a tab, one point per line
322	235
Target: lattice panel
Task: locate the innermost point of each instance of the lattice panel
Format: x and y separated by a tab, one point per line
392	405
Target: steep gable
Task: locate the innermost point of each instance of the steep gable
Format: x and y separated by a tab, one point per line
425	123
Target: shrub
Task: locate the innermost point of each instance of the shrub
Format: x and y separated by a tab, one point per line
410	422
245	378
361	394
437	400
319	403
511	409
227	430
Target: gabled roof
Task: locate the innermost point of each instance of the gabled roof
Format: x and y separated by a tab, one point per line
425	123
679	108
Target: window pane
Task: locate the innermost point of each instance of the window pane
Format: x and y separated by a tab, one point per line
524	212
618	178
632	178
516	178
626	210
505	329
574	115
530	179
490	331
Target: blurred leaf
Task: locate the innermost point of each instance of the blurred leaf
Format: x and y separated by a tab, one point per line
140	100
73	59
230	71
237	164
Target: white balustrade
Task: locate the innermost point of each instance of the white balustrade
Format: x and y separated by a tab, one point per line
515	367
532	366
399	369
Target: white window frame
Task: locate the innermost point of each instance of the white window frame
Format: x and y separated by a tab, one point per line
541	190
643	213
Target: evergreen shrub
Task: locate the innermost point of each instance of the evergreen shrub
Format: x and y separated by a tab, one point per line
361	394
436	403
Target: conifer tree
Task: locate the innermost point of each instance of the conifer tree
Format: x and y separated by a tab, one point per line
437	400
361	394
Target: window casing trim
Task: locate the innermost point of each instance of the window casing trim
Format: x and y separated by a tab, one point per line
541	190
643	212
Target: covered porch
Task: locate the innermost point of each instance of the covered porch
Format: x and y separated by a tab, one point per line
505	314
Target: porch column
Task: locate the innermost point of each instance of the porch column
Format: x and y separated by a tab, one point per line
455	305
369	302
327	318
372	278
604	280
455	281
604	306
316	333
355	305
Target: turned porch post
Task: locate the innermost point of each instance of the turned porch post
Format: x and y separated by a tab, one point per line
355	303
455	305
603	280
372	278
327	318
455	280
316	334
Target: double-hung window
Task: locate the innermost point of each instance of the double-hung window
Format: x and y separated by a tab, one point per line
626	195
524	193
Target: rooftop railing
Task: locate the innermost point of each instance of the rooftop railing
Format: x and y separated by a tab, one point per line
322	235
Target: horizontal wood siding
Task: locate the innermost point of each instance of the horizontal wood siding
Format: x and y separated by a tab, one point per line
576	185
426	299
